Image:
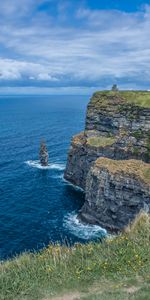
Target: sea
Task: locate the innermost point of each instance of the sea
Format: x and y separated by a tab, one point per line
37	206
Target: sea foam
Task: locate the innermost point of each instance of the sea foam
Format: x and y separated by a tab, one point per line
85	232
51	166
77	188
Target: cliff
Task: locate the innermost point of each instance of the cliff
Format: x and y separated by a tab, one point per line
115	192
117	128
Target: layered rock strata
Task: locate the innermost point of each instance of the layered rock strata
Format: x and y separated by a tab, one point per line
117	127
115	192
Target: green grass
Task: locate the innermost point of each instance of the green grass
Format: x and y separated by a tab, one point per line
148	146
120	293
108	269
139	98
101	141
147	174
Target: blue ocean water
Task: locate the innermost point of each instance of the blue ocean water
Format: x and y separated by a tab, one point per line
36	205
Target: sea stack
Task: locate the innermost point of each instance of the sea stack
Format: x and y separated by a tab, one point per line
43	155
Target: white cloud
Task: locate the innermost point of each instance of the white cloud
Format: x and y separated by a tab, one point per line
46	76
97	45
17	8
14	69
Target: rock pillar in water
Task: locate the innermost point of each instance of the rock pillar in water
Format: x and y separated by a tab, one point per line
43	155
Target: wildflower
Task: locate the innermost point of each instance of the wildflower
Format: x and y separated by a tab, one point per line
49	269
109	241
129	262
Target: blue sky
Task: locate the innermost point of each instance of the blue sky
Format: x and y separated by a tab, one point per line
74	46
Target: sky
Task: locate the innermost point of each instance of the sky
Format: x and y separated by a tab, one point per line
74	46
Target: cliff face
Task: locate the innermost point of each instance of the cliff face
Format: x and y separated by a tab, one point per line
115	192
117	127
108	112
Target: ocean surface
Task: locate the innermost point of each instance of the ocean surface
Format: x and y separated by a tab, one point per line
37	206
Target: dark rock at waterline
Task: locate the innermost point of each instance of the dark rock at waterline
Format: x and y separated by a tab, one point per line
43	155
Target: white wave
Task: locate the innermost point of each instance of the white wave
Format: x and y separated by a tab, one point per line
53	166
57	166
73	185
86	232
60	176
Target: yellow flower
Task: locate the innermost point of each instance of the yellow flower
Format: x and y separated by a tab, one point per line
49	269
89	269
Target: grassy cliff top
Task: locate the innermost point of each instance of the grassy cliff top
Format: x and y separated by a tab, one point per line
139	98
100	141
93	140
108	270
129	167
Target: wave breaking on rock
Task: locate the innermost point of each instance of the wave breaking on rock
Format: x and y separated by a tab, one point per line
85	232
51	166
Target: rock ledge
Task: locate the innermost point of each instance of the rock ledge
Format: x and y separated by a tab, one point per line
110	160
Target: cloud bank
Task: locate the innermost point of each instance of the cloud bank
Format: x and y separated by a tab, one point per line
60	44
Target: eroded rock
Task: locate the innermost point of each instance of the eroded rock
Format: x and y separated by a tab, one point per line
116	191
43	155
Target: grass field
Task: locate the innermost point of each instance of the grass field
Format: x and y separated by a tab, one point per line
102	141
140	98
114	269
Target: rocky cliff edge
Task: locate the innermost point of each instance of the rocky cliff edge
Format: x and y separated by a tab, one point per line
117	133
